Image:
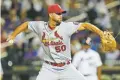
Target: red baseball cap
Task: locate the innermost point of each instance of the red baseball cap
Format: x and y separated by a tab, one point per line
55	8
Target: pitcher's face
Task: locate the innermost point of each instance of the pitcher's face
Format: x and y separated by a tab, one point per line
57	17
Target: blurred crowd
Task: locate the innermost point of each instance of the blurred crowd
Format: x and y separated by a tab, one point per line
24	51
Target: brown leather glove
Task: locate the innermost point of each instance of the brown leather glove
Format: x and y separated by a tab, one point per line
108	42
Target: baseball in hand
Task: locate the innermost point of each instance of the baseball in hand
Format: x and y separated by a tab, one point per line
11	41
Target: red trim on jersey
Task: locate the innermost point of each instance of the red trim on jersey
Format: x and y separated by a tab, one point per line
51	27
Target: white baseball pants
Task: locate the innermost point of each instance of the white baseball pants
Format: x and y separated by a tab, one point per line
68	72
93	77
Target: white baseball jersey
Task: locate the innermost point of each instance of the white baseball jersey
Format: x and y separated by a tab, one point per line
56	43
87	62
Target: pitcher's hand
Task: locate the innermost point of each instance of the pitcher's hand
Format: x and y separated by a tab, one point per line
10	39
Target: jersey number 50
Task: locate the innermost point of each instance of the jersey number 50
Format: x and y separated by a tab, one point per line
60	48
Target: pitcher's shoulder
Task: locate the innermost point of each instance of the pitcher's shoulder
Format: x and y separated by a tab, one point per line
42	22
66	23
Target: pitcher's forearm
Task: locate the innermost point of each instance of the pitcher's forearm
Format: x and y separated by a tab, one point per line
20	29
92	28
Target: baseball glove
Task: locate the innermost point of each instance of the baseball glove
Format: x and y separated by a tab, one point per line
108	42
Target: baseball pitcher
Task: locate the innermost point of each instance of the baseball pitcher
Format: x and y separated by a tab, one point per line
55	40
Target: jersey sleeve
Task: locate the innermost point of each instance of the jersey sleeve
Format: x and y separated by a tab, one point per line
72	27
98	60
34	26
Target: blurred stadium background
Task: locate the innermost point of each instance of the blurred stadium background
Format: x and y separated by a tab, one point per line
23	59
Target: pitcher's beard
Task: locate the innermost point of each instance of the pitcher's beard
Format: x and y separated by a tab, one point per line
57	22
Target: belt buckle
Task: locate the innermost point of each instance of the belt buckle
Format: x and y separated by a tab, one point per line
60	64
